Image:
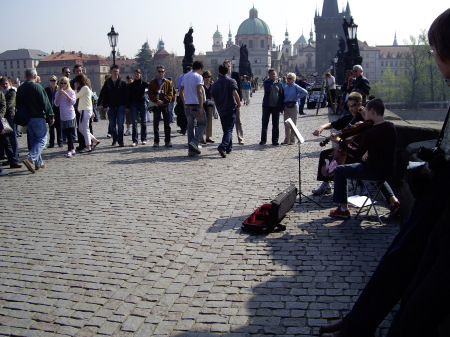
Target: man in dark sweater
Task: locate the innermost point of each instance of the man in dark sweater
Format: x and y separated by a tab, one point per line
136	106
379	143
114	99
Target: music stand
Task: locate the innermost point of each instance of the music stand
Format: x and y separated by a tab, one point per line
300	140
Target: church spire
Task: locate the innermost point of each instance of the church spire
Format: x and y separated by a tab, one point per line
395	40
286	37
330	9
230	37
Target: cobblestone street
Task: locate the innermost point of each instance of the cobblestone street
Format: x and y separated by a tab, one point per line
137	241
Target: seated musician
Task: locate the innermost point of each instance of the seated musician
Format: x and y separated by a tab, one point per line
327	156
377	144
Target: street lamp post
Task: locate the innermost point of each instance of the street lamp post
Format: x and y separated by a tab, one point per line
352	28
113	37
335	60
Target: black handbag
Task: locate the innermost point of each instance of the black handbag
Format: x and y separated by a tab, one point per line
22	117
290	104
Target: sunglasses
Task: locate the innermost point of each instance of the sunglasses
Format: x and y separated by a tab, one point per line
352	105
52	80
161	71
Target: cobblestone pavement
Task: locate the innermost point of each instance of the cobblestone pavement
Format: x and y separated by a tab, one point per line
147	242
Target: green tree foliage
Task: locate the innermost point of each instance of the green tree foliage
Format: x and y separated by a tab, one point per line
419	79
144	61
389	88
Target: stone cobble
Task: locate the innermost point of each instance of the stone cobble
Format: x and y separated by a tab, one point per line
137	241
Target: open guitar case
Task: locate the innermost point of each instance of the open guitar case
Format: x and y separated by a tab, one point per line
267	217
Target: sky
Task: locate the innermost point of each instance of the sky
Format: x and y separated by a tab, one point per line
82	25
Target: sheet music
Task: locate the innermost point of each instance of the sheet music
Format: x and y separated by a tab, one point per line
296	132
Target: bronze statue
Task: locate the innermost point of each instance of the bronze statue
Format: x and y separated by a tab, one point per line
189	48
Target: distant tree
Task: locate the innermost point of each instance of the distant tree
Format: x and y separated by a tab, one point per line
388	89
415	66
144	61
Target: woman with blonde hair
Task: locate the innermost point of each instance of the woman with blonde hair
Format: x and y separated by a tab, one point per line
84	96
65	99
292	94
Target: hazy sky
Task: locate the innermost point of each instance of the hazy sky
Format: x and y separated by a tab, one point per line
82	25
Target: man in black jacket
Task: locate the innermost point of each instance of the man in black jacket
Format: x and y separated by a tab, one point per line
114	100
136	106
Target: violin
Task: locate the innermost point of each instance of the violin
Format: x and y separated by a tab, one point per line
350	132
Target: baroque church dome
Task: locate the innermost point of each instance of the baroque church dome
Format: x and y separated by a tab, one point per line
253	25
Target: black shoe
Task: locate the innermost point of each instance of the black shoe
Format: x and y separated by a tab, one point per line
79	148
222	153
275	144
5	163
51	146
262	143
121	145
114	143
168	144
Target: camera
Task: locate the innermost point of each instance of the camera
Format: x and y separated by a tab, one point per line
434	156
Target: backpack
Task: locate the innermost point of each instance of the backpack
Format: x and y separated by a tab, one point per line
275	91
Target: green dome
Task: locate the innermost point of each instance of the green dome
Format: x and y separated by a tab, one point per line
217	33
253	25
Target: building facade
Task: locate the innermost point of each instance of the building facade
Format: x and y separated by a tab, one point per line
252	32
13	63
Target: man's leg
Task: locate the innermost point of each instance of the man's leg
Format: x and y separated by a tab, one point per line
142	113
275	126
120	121
265	124
112	117
13	137
166	119
37	133
134	122
156	119
200	116
239	131
189	114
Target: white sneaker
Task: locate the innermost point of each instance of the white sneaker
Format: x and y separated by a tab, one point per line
68	154
134	144
128	133
144	142
324	188
108	135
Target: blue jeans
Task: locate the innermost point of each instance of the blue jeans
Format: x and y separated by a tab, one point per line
227	120
265	124
116	116
171	111
37	136
356	171
193	114
138	110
